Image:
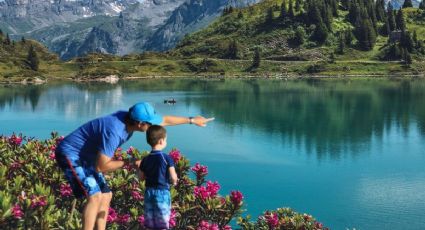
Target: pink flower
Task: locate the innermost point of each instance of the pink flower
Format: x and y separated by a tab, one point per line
53	148
123	219
172	221
52	156
227	227
112	215
209	191
214	227
175	154
136	195
38	202
15	165
236	197
59	139
15	140
319	225
203	225
213	188
141	220
272	220
130	150
200	170
65	190
17	212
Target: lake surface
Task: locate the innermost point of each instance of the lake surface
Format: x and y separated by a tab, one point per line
351	153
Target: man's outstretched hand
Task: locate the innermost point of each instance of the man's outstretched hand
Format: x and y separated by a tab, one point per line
201	121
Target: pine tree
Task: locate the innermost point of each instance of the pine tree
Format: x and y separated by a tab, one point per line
7	41
380	10
386	28
320	33
341	44
283	11
256	60
365	33
407	3
390	17
233	50
400	23
32	59
23	40
291	12
269	16
349	38
298	5
299	38
407	41
422	5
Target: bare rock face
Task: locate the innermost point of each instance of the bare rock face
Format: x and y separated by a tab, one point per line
76	27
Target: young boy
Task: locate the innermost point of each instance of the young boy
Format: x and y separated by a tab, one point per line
158	170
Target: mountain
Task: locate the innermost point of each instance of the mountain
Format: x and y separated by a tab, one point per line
76	27
397	4
23	16
189	17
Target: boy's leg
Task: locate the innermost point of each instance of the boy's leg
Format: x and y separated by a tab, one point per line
91	210
103	211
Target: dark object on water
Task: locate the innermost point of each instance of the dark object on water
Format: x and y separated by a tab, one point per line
170	101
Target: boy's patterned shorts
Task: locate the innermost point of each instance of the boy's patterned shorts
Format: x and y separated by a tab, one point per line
157	208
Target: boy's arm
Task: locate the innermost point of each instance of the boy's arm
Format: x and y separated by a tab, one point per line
173	175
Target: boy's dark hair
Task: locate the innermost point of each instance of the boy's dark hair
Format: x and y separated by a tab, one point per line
154	134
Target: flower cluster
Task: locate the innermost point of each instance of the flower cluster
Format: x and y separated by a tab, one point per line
236	197
175	155
38	201
208	191
204	225
15	140
65	190
17	212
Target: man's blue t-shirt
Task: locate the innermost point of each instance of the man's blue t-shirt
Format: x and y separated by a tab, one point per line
104	134
155	167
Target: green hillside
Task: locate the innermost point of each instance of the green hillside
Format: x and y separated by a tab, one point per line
239	32
15	64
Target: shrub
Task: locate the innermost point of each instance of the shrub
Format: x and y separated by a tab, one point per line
34	194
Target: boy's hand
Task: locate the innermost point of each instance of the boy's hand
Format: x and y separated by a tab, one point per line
137	164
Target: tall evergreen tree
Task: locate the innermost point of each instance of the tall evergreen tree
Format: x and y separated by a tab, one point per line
298	5
341	44
233	50
320	33
400	23
365	33
283	11
270	16
348	37
32	59
390	17
407	3
380	10
256	60
422	5
7	40
291	12
407	41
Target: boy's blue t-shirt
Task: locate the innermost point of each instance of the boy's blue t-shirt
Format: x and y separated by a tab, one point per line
155	167
104	134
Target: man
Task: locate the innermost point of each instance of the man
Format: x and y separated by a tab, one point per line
86	153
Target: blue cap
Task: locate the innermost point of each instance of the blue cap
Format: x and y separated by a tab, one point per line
144	112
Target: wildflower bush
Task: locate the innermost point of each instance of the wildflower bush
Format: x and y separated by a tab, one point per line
35	195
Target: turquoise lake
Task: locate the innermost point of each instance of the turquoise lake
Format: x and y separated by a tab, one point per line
349	152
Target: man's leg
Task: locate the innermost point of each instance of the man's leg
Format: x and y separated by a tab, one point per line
102	214
91	210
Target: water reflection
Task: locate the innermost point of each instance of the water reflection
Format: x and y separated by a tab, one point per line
326	117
